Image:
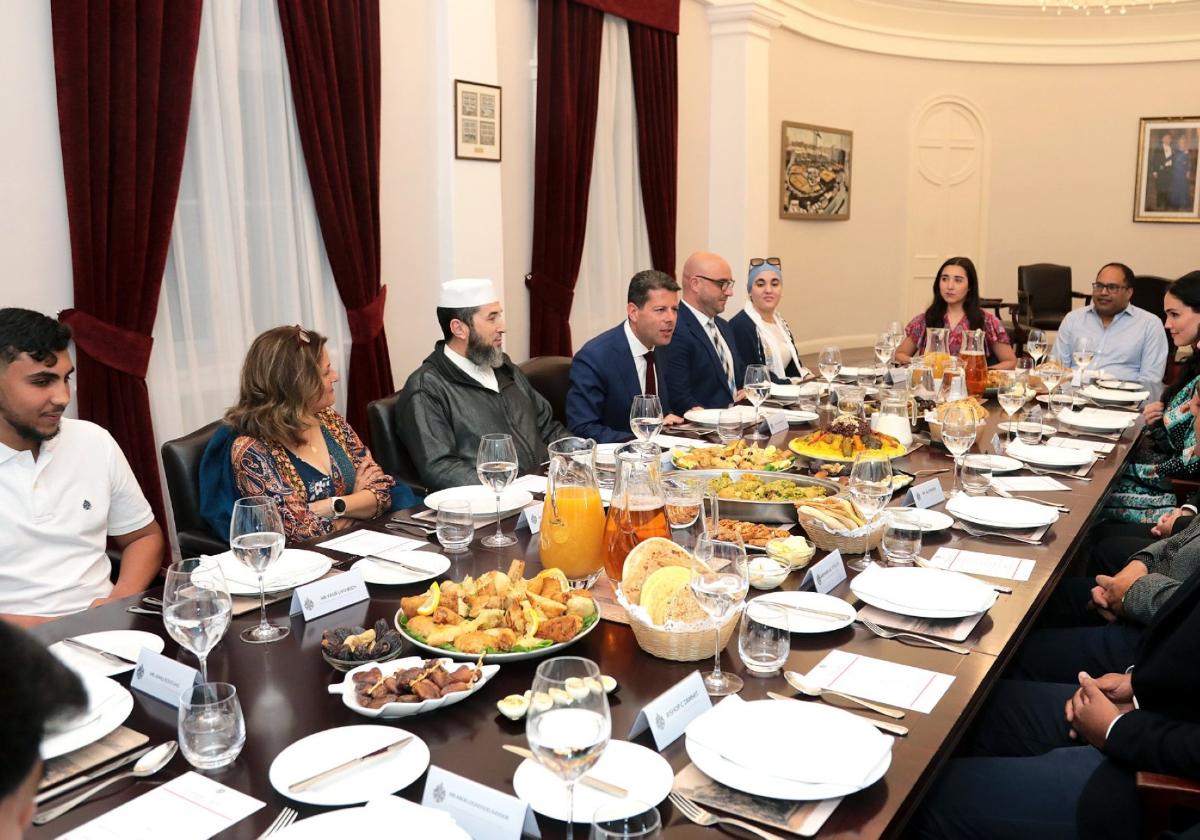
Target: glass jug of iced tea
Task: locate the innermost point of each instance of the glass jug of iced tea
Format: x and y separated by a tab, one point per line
638	508
974	361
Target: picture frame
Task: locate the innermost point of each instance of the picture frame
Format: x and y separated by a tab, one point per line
815	172
1165	188
477	121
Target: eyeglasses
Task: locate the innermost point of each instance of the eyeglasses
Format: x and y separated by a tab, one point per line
725	285
1109	288
757	261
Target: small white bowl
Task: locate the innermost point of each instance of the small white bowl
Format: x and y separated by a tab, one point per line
767	573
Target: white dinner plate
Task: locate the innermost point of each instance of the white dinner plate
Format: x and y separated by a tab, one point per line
482	500
109	704
1013	427
644	773
382	573
295	567
794	417
398	710
852	372
782	391
929	520
1118	385
800	622
330	747
817	734
1099	419
1117	396
418	821
126	643
708	416
1076	401
923	592
1049	456
999	463
996	512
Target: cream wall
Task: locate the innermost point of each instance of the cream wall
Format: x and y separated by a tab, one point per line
691	225
1061	157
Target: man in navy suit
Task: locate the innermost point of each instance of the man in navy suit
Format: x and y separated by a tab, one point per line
621	363
704	369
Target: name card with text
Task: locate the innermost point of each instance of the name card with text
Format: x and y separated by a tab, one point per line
777	422
329	594
826	575
479	810
925	495
668	714
162	678
996	447
531	517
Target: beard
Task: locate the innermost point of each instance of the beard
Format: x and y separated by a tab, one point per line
480	352
24	430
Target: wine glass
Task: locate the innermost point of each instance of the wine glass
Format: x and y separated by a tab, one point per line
1051	374
829	363
896	334
256	537
958	435
757	383
496	466
720	587
569	739
646	419
1082	354
1011	396
870	487
884	349
1036	345
197	607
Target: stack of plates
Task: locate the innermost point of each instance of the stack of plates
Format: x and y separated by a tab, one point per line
1118	385
992	512
923	592
1049	456
1116	396
481	499
784	750
1099	419
109	703
295	567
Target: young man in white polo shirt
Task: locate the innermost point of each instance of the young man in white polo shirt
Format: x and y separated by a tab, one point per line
65	487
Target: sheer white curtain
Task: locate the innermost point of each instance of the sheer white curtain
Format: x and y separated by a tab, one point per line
616	245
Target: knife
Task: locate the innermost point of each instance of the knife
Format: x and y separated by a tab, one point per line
405	566
590	781
313	781
883	725
70	784
112	658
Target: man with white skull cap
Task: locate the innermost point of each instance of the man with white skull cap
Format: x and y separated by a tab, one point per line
468	387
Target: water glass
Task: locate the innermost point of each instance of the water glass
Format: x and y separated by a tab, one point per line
613	821
646	418
976	474
807	401
729	425
683	500
1029	426
720	583
901	539
870	487
212	730
763	638
496	466
455	525
757	383
256	539
197	607
851	399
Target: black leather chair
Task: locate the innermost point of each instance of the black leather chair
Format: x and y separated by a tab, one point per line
1044	294
1148	292
550	376
386	446
181	462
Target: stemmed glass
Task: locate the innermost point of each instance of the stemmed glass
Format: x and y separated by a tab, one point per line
1011	395
871	489
720	588
1036	345
197	606
896	335
568	740
646	419
958	435
1051	374
1082	354
829	363
884	351
757	383
496	466
256	537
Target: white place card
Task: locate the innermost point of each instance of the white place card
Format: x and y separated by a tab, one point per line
898	375
885	682
825	575
366	542
531	517
982	563
1028	483
668	714
479	810
1077	378
190	807
329	594
997	448
924	495
1097	446
777	422
162	678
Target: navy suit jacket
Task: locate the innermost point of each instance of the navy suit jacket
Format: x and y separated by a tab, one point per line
604	382
694	372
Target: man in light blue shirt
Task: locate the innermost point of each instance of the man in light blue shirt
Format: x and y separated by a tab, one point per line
1130	343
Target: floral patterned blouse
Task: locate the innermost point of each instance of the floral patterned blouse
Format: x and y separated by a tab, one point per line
993	330
268	468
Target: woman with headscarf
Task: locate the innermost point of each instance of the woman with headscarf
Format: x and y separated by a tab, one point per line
762	335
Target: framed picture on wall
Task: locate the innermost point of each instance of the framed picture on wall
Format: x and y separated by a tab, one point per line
815	172
1165	190
476	121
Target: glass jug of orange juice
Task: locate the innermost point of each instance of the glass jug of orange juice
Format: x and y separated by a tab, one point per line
937	350
573	514
638	510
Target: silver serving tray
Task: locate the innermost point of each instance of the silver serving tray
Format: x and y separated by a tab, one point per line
768	513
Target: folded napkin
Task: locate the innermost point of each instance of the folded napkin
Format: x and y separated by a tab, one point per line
417	820
800	742
928	590
1104	416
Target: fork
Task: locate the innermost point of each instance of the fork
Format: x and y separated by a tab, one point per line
979	532
700	816
1063	473
902	634
1000	491
285	818
1079	433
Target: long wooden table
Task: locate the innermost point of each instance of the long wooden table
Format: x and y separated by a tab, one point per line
283	685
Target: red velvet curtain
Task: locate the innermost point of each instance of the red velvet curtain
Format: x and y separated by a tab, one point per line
333	58
567	86
123	72
660	14
652	53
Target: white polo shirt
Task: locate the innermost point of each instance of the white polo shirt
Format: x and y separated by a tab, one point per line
56	514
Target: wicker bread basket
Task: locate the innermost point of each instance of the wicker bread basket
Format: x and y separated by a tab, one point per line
847	543
681	645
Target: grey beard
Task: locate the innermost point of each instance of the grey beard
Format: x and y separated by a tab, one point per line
483	355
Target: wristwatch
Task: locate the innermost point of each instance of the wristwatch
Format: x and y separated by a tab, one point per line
339	507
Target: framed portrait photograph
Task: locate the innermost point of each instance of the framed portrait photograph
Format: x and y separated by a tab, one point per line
815	172
1165	189
476	121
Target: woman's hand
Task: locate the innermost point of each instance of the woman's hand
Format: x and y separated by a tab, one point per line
368	473
1162	528
1153	412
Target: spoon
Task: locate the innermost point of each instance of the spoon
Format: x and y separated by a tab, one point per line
802	685
147	765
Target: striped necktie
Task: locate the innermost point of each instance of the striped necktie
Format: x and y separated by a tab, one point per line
723	355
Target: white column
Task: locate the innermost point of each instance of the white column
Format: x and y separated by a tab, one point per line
741	165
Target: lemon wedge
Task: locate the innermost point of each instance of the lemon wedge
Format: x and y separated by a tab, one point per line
432	599
532	620
558	575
